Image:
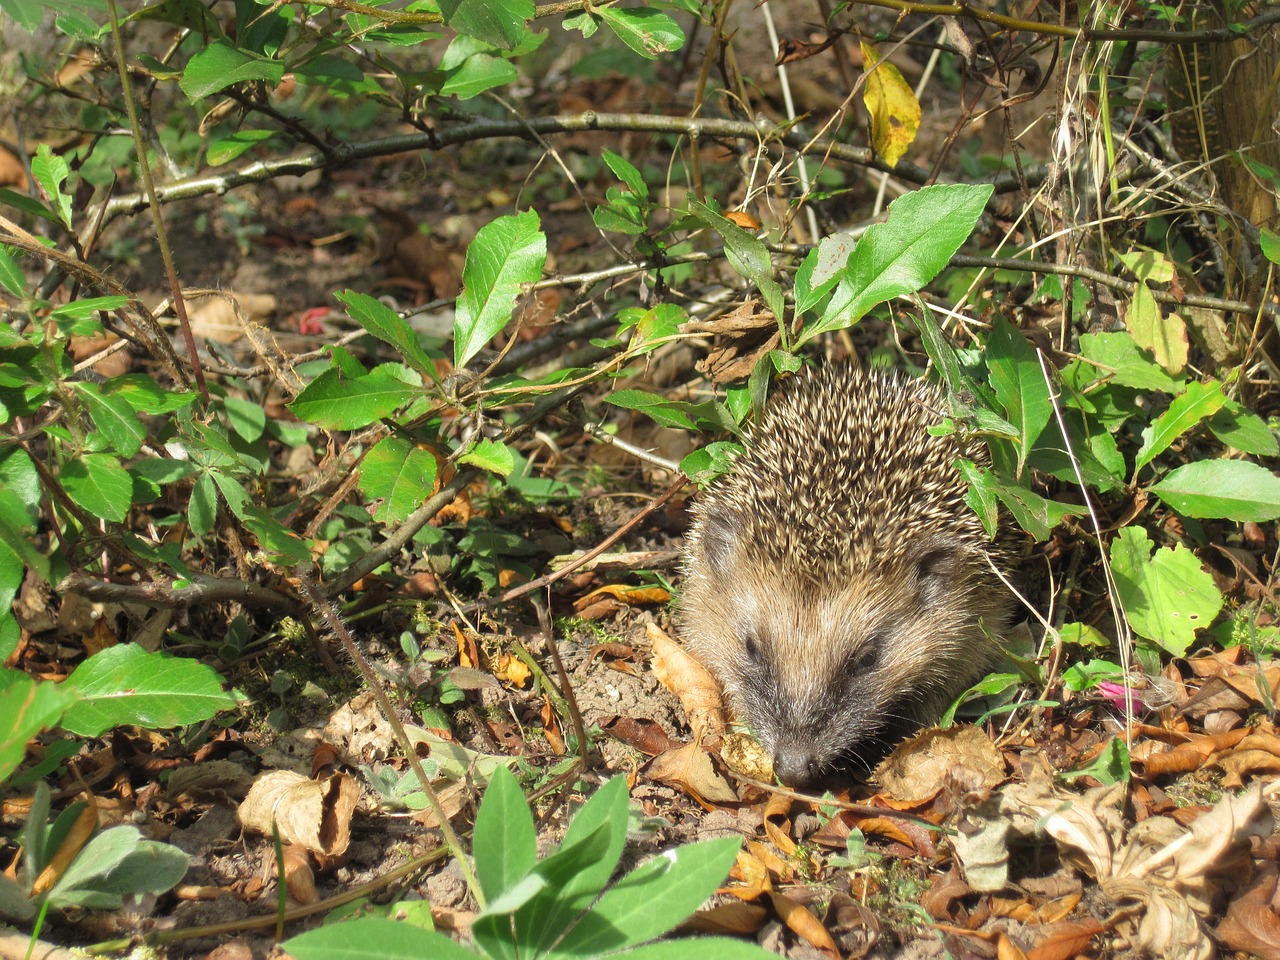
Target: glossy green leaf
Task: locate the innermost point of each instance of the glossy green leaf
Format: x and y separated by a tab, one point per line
904	253
491	455
625	171
11	276
52	171
480	72
222	64
680	879
1200	400
399	474
502	23
1019	384
1242	430
648	32
125	685
336	402
1116	357
114	417
389	327
97	482
202	508
1230	489
506	254
225	149
504	840
27	707
1166	597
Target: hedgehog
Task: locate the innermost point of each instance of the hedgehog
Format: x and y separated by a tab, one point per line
834	580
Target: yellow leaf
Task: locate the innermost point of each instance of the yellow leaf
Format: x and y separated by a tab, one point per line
894	109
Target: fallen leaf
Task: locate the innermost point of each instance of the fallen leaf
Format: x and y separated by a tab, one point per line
690	681
922	765
801	921
688	768
1251	925
744	755
315	814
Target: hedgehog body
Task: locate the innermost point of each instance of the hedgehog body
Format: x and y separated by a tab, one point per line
835	582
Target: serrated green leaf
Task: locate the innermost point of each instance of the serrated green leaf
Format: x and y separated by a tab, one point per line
680	879
1230	489
11	276
114	417
125	685
146	396
222	64
625	171
399	474
490	455
480	72
904	253
336	402
821	270
502	23
746	253
1200	400
1166	597
27	707
98	483
367	937
389	327
649	33
506	254
51	171
504	839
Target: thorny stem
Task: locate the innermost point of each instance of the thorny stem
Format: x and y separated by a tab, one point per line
144	169
451	839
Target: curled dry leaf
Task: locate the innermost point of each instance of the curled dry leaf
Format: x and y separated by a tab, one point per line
801	921
689	768
629	595
1251	924
736	919
299	879
921	765
753	876
689	680
315	814
744	755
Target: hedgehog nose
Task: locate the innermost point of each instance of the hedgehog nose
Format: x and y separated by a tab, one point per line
795	767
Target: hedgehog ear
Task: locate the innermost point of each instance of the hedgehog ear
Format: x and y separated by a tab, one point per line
937	564
719	542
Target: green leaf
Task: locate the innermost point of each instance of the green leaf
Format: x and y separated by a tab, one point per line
98	483
389	327
190	14
680	879
1166	597
27	708
399	474
1019	384
221	64
821	270
605	812
706	463
147	396
490	455
626	172
505	254
50	170
1034	514
502	23
704	948
126	686
202	508
1117	356
28	205
745	252
669	413
115	863
480	72
904	253
152	474
11	276
1242	430
113	416
367	937
1230	489
1199	401
649	33
225	149
1270	243
247	418
504	839
1110	766
336	402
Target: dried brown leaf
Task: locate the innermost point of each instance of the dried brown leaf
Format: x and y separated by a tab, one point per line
315	814
1251	925
690	681
920	766
801	921
689	768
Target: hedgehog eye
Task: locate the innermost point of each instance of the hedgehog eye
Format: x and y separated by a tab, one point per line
751	647
866	658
